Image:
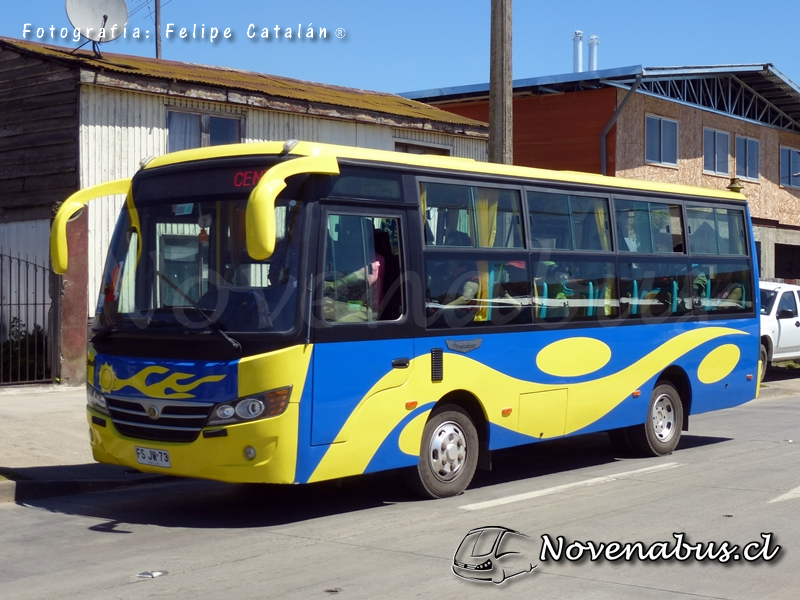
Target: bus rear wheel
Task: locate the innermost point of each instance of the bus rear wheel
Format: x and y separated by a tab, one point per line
448	454
661	431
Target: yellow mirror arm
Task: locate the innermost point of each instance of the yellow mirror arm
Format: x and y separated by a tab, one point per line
260	221
58	233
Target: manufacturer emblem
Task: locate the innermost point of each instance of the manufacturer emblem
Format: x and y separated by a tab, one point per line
153	412
464	346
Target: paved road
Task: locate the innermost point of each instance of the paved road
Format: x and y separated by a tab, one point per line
732	479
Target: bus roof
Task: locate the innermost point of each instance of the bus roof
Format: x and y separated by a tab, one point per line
445	163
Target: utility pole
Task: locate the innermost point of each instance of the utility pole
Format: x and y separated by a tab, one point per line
501	136
158	28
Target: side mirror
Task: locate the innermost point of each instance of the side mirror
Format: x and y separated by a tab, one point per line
260	223
71	209
786	313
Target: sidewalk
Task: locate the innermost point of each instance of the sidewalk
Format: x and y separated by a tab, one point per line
44	446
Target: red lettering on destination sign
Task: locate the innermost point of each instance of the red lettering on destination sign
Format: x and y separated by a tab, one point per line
247	178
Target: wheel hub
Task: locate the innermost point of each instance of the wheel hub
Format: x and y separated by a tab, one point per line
664	417
448	451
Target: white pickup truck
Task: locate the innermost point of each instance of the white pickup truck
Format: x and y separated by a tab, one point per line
780	322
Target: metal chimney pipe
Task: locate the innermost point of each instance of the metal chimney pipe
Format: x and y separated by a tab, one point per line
594	42
577	52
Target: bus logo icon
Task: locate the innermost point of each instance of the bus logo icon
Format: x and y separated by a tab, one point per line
153	412
493	554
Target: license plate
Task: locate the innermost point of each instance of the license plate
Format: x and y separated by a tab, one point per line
150	456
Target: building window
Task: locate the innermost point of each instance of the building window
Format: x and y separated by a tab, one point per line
420	149
194	130
747	158
661	141
716	146
790	167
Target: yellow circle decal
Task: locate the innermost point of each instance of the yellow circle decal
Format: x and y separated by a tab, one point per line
107	378
718	364
573	357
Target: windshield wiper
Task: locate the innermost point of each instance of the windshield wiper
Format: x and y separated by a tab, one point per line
212	325
104	331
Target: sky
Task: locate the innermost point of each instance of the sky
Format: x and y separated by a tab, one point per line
410	45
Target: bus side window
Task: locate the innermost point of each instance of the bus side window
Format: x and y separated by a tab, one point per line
468	291
566	289
727	289
362	269
652	288
649	227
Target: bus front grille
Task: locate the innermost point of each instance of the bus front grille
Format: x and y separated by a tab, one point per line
171	421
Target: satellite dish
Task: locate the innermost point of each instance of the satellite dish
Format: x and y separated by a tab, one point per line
91	17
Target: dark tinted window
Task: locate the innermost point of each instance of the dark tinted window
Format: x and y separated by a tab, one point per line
788	302
463	291
367	183
471	216
652	288
567	222
569	289
649	227
716	231
723	287
362	269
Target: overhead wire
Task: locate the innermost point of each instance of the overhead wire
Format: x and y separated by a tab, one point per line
146	4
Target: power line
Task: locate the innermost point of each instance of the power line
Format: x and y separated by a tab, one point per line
147	6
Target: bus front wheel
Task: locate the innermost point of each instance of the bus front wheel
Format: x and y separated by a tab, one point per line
661	431
448	454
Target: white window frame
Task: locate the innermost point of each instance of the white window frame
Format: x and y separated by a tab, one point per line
438	149
661	120
747	140
717	134
205	122
793	178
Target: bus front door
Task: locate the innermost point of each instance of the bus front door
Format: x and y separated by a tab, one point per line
363	346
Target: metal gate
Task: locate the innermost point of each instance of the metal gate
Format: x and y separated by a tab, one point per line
26	322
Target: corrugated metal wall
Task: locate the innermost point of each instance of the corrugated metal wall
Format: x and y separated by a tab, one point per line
29	240
118	128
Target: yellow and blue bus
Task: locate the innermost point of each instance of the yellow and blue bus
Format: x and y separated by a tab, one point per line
298	312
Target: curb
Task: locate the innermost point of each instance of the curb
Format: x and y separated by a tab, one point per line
27	490
775	391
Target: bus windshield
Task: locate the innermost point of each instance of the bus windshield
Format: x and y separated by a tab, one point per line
186	264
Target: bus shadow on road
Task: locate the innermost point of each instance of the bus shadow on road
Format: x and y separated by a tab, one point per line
698	441
198	504
568	454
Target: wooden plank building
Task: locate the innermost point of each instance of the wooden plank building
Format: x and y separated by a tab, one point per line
69	120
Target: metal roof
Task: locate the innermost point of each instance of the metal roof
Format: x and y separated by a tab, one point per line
248	81
756	92
554	83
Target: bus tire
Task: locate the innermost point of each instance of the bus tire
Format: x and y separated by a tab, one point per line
448	454
661	431
763	356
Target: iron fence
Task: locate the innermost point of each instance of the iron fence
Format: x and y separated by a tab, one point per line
26	322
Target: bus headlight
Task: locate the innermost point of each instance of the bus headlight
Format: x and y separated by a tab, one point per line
226	411
258	406
96	400
250	408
